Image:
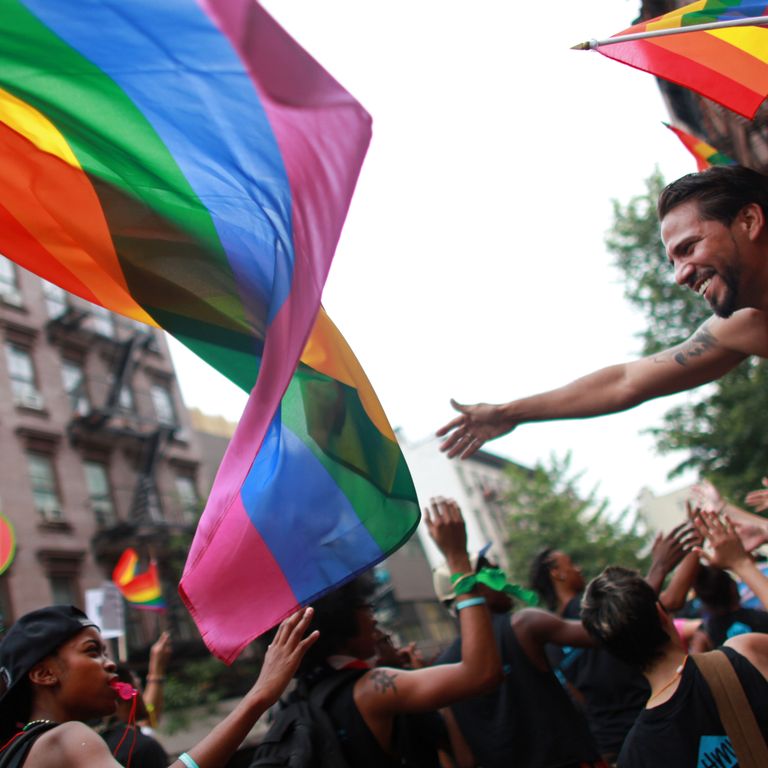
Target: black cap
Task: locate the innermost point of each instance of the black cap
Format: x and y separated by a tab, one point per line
33	637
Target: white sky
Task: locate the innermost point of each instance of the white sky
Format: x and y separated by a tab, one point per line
472	263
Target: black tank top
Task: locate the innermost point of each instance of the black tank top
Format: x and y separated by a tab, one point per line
529	720
686	730
415	736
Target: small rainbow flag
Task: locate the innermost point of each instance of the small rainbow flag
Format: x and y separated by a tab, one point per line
729	66
141	590
705	154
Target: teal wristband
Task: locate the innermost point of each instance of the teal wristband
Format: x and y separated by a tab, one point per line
188	761
469	603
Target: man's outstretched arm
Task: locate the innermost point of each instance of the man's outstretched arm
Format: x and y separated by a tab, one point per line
713	350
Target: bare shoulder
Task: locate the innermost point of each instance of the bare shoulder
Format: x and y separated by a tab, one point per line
745	331
68	745
754	647
382	681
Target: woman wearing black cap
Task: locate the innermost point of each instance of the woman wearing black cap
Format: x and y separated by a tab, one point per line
55	673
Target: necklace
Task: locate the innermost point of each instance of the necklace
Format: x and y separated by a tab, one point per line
673	679
38	722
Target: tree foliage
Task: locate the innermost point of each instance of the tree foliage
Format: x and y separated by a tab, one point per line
723	430
549	511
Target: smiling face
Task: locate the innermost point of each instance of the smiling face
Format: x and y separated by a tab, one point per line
83	672
709	257
564	571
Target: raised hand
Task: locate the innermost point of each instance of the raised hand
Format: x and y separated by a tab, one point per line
446	527
160	654
752	535
476	425
759	498
706	496
727	550
669	549
284	655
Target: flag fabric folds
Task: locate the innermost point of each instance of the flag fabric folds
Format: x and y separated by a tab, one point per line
142	590
706	155
729	66
187	164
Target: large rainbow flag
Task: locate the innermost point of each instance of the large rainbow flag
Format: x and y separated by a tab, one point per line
705	154
186	164
729	66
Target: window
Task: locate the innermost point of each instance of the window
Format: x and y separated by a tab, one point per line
22	373
45	491
63	589
55	300
99	492
163	403
9	285
102	321
73	378
189	501
125	401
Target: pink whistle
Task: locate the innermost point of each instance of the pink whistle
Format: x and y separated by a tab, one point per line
124	690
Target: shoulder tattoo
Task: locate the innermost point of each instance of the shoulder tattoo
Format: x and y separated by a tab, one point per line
701	342
383	681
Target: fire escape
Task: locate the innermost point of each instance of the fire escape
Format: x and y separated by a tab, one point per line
106	420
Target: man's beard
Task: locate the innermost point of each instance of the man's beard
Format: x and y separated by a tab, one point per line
728	304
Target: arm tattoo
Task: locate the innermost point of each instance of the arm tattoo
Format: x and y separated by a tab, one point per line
701	342
383	681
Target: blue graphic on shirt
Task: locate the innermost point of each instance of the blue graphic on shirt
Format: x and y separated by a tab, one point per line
738	628
716	752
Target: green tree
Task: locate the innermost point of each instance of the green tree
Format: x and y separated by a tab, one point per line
549	511
724	428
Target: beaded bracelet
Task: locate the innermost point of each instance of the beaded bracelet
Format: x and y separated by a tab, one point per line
470	602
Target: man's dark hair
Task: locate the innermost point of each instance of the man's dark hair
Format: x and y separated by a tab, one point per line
619	610
715	588
541	577
720	192
335	617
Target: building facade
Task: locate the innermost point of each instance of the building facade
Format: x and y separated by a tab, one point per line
98	452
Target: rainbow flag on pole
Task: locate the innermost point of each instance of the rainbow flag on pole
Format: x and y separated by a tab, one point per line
706	155
729	66
187	164
142	590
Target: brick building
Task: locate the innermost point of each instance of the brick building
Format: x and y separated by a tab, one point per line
97	450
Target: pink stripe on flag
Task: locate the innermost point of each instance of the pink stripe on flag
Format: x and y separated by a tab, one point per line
323	134
228	603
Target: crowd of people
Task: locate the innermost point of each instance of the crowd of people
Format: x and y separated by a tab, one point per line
620	671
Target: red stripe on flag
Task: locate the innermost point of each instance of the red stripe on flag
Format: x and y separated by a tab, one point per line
644	55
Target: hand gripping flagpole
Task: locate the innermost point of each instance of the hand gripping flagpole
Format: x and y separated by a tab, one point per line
754	21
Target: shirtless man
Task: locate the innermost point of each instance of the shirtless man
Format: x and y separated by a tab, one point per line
714	226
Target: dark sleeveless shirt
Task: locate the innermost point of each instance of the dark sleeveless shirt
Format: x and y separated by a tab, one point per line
415	736
685	731
614	692
529	720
